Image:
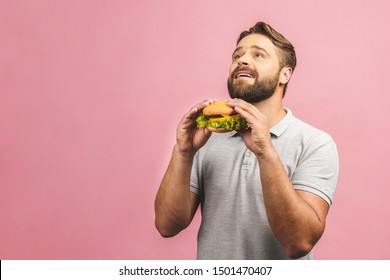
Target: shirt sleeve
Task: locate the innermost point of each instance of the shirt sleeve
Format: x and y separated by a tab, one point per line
318	168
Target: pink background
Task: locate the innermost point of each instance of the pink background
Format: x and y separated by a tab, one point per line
87	125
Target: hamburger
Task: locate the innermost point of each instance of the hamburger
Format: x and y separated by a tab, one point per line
219	117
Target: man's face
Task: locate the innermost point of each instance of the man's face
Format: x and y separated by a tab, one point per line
254	72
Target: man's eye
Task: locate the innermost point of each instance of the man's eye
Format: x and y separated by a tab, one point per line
260	55
235	57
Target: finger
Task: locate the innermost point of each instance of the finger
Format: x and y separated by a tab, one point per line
197	109
250	113
205	103
242	104
247	115
243	108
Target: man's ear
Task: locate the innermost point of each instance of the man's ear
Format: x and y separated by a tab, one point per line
285	75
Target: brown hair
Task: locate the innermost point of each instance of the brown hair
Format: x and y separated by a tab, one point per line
287	51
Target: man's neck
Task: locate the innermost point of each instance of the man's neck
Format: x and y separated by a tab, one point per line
273	109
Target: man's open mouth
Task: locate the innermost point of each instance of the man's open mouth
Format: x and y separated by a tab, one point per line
244	75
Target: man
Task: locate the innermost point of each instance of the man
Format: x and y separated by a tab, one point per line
265	191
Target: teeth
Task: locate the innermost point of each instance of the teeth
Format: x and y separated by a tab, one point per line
244	75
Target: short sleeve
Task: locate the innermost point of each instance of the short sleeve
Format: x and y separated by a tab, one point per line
318	168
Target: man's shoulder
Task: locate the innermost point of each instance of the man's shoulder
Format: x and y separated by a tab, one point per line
307	131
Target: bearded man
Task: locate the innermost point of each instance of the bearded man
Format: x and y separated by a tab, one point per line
264	191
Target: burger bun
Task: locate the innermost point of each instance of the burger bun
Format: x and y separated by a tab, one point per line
219	130
219	108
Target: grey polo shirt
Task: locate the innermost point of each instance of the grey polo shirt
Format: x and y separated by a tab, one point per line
226	177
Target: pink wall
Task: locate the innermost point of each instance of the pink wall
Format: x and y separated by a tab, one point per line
87	125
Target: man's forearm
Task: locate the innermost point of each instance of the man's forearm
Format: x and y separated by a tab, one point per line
173	201
294	223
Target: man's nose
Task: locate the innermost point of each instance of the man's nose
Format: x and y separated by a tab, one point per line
243	60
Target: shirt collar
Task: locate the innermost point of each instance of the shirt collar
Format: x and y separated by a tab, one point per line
283	124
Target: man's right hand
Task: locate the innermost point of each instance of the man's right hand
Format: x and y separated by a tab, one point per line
189	138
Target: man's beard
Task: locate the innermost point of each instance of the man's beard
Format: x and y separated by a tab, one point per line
261	90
